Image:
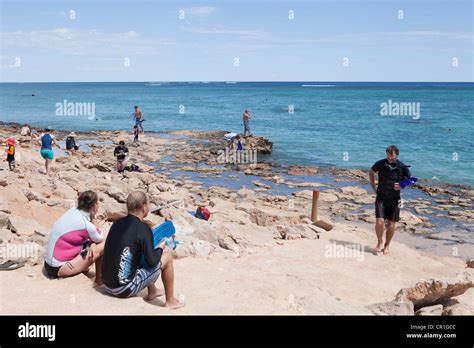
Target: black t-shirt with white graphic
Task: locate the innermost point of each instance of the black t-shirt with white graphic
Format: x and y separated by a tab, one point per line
389	174
127	240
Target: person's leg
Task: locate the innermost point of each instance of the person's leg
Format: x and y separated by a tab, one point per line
154	292
141	127
379	226
390	233
47	165
97	252
77	265
167	276
81	264
120	166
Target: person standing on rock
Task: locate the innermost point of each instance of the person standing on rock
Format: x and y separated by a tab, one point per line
121	153
75	242
129	238
135	135
47	141
138	117
387	203
246	119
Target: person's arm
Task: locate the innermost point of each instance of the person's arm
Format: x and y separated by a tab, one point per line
375	168
55	143
372	180
152	255
96	233
406	172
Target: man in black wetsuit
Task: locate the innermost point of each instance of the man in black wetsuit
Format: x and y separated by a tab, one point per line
387	204
124	271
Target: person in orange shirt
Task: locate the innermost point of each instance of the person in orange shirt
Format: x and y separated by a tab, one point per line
11	153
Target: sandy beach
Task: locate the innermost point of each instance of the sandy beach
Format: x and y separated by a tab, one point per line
259	253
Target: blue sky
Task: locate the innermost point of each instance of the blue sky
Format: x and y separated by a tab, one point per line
147	41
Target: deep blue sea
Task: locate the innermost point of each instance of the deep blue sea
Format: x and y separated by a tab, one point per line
312	123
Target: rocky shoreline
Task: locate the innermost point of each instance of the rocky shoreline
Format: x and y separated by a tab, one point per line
264	219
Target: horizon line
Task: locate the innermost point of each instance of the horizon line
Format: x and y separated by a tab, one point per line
236	81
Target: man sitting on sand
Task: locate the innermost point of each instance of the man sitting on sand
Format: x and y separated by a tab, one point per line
387	203
129	238
121	153
75	243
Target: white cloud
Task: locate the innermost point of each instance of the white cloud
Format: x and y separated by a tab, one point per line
201	11
82	42
220	30
431	34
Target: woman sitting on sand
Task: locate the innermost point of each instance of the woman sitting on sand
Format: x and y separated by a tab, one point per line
75	243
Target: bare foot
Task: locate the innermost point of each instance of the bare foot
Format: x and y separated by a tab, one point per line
385	250
97	283
175	304
154	294
378	248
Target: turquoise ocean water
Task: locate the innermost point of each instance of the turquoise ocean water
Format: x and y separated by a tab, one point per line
332	123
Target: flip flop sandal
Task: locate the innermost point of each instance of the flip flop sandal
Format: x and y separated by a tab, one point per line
7	263
11	265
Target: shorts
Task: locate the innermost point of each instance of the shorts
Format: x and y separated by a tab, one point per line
387	209
246	126
47	154
51	271
138	122
10	158
144	277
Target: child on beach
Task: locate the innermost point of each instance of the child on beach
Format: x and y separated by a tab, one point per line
11	153
135	134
